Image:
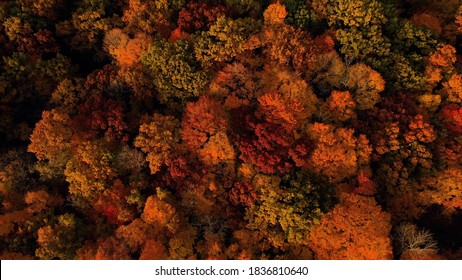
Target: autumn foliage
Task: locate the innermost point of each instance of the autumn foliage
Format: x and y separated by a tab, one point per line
231	129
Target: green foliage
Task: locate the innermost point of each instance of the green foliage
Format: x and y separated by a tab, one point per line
61	240
302	16
359	14
175	72
289	207
225	40
174	129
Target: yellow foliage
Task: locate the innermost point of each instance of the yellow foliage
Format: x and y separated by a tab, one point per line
444	189
275	14
366	84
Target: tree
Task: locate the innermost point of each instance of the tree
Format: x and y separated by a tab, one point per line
136	234
358	28
415	243
89	171
61	239
161	214
288	208
242	7
451	116
357	228
41	200
112	249
340	105
153	250
338	154
226	39
158	139
289	88
235	85
51	139
275	110
275	14
199	16
287	45
272	149
174	70
203	129
365	84
99	116
125	50
112	204
42	8
453	89
151	16
442	189
86	28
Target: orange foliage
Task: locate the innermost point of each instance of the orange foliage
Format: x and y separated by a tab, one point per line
38	201
178	34
129	52
341	105
161	214
444	56
112	249
356	229
278	111
444	189
338	154
419	130
275	14
453	89
113	205
153	250
51	136
201	119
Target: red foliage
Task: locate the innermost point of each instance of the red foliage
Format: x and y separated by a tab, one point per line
178	34
112	249
451	116
201	120
101	116
242	194
199	16
366	186
39	43
271	148
183	172
112	202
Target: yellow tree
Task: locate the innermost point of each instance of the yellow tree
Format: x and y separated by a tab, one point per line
158	138
365	84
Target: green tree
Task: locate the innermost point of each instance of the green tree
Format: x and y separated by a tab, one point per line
226	39
174	70
288	207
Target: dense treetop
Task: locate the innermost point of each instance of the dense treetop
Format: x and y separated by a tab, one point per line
230	129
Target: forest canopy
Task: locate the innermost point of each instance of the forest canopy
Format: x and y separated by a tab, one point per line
230	129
